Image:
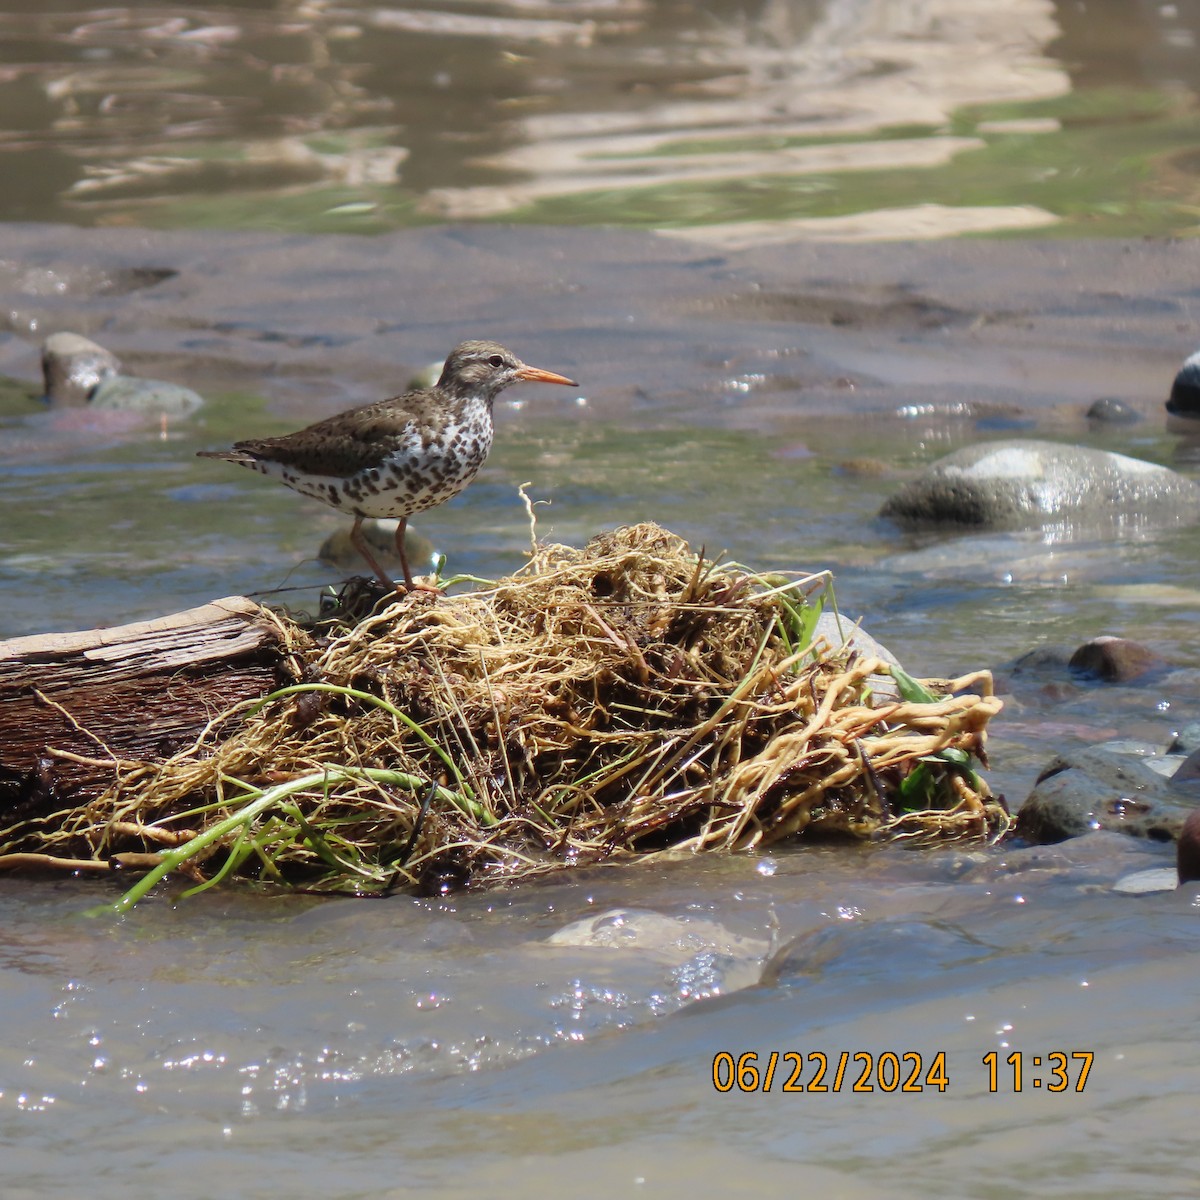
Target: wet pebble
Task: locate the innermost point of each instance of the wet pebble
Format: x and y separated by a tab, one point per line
1114	659
1108	410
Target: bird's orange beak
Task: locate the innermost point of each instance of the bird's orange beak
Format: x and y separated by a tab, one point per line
537	375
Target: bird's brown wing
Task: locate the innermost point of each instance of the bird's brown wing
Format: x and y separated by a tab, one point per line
338	445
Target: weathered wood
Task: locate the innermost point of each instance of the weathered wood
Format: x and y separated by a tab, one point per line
72	705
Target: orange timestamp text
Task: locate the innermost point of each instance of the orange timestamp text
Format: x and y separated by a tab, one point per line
909	1071
816	1072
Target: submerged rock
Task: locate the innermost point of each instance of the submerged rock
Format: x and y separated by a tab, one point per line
1108	410
1022	483
155	397
673	938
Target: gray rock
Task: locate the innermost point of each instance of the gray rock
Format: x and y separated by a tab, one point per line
1103	787
72	367
837	631
154	397
1186	740
1108	410
1024	483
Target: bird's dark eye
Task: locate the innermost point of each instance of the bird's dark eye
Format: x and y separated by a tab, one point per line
496	360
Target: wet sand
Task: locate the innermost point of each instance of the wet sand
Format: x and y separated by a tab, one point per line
652	326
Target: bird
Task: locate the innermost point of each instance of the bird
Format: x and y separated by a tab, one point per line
399	456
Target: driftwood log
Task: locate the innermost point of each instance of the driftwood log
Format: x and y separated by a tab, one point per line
72	705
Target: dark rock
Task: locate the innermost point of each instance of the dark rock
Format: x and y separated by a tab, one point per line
1185	391
1103	787
73	366
1114	659
1111	411
1187	850
1023	483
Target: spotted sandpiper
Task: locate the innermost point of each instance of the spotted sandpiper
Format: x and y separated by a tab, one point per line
400	456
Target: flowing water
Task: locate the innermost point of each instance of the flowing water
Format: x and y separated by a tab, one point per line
762	400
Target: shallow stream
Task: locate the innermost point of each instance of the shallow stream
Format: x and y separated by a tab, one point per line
755	390
761	404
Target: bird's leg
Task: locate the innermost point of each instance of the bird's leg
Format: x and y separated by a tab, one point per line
408	579
359	543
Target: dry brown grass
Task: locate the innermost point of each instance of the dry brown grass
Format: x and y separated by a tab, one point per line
601	705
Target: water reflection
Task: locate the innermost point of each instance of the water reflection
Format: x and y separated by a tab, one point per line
360	117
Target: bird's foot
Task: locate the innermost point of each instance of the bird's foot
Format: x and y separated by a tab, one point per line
413	588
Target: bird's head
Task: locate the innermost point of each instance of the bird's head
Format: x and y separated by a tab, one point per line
486	368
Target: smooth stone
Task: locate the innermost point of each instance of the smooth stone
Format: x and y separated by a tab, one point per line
1109	410
1184	400
836	631
73	366
1103	787
380	535
153	397
1025	482
1114	659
